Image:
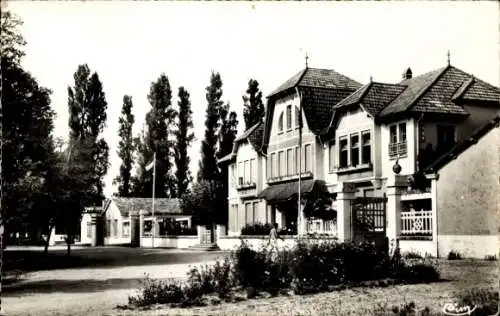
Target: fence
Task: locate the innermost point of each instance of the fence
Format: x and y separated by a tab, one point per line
416	223
319	226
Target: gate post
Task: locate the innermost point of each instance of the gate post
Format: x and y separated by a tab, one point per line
393	210
345	195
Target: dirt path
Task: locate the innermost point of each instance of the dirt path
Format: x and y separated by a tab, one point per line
88	291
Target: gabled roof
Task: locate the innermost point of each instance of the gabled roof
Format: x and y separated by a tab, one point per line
134	205
460	148
373	97
319	106
254	135
319	78
321	89
438	92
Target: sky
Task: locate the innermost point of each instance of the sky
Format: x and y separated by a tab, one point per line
130	44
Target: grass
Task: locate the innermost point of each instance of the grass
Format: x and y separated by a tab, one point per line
463	275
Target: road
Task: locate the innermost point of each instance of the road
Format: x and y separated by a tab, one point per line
89	290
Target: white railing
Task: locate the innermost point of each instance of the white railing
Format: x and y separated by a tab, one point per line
319	226
416	223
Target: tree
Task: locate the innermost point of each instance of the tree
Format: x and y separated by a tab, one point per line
88	152
204	202
208	163
253	111
126	148
184	138
87	107
160	121
143	181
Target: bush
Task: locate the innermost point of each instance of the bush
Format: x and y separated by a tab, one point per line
454	255
256	271
490	258
158	292
418	272
486	301
256	229
212	279
412	255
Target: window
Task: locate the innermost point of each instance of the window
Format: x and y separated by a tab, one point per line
289	161
233	175
89	230
108	228
354	150
280	123
240	173
268	162
366	151
253	171
282	163
397	144
394	134
246	176
255	211
297	117
297	162
331	157
445	136
274	168
402	132
115	227
308	158
289	117
126	229
249	213
343	152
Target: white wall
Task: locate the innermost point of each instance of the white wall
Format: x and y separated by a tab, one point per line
116	238
422	247
84	239
181	242
408	162
469	246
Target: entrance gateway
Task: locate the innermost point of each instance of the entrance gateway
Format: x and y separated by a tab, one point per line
368	220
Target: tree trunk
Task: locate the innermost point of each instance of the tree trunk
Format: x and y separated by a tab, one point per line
47	241
68	243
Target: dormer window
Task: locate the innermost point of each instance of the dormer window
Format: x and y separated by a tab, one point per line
289	117
297	117
280	123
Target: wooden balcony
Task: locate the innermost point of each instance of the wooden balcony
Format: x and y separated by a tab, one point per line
416	225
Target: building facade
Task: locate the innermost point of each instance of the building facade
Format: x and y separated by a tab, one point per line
368	150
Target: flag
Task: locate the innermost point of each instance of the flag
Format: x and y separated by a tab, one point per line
151	164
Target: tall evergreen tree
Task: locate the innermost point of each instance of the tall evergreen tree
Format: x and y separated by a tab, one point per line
254	110
208	164
126	148
160	121
184	138
142	183
87	107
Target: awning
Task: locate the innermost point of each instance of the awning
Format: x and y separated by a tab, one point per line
286	191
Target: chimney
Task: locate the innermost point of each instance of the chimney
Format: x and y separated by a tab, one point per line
407	74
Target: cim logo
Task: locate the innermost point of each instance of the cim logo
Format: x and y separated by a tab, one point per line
456	310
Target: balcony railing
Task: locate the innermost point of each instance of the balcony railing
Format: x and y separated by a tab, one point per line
245	185
416	223
319	226
398	149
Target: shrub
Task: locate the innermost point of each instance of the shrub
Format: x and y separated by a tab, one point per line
419	272
486	301
212	279
454	255
490	258
157	292
256	229
412	255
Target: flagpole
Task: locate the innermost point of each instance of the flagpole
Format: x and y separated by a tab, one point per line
299	204
153	220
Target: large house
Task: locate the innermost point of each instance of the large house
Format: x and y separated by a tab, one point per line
375	150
